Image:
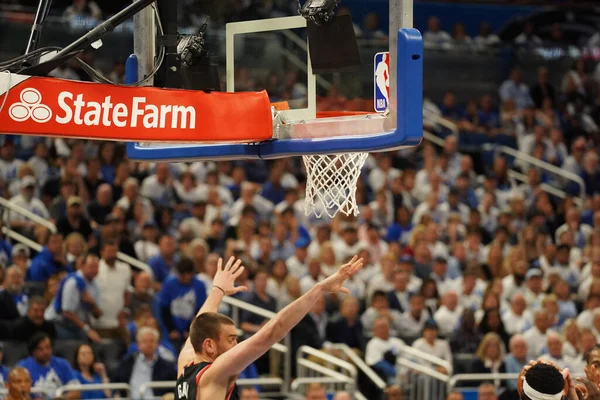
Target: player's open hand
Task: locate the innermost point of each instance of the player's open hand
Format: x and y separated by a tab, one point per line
334	283
593	374
586	389
225	277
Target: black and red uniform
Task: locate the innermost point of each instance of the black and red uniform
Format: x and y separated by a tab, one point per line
187	384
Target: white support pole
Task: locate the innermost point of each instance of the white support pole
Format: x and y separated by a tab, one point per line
144	47
401	16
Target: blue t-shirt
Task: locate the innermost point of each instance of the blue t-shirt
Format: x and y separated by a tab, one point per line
22	302
272	193
49	377
398	233
92	394
43	267
183	300
3	375
160	268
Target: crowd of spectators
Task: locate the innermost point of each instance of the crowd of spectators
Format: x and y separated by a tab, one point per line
461	261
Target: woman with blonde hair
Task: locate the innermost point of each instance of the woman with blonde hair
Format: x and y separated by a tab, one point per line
74	246
327	257
490	356
197	251
493	268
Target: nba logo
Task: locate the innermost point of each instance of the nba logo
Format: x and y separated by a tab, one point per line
382	81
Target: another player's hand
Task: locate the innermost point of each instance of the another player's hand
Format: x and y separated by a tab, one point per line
593	374
226	276
586	389
334	283
570	390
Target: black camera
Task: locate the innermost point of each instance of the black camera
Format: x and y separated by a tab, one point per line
320	12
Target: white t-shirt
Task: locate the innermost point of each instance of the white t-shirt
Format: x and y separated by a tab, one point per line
9	169
446	319
377	347
514	323
35	206
145	250
113	283
440	349
536	342
154	190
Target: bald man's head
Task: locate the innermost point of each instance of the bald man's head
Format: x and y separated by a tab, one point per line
18	383
342	396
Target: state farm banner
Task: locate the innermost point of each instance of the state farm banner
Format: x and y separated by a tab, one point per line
56	107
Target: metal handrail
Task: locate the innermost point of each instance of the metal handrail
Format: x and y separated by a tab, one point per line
22	239
524	157
28	214
512	173
260	382
134	262
92	387
328	358
52	228
232	301
425	357
561	194
424	369
36	390
360	364
341	378
359	396
307	381
436	119
433	138
284	348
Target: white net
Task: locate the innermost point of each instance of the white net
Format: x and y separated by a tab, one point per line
331	183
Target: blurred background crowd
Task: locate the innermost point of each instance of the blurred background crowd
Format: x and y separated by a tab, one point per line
482	245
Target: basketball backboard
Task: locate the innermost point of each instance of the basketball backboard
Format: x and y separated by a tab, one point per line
303	131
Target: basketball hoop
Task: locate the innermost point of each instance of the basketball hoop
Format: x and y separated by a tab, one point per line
331	183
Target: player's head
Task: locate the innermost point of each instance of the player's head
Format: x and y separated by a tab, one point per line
213	334
592	356
543	381
18	383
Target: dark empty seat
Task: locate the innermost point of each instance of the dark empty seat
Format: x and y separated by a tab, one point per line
13	352
35	288
463	363
110	352
66	348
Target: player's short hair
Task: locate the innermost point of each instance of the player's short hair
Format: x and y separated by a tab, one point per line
207	326
588	353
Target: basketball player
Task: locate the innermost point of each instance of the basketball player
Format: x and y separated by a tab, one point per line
18	384
211	358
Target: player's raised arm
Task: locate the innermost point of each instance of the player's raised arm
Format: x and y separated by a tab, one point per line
223	284
234	361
